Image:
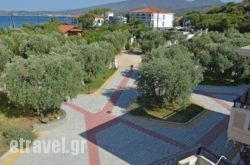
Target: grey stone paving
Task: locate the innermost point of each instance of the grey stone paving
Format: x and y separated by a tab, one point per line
71	130
122	143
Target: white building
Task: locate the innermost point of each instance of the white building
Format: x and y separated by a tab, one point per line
154	17
121	19
109	15
98	21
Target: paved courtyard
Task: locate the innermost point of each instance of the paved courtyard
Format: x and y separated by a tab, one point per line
113	137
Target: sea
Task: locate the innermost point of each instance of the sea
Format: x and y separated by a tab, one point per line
18	21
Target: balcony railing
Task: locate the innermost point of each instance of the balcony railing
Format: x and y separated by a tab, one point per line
198	150
241	102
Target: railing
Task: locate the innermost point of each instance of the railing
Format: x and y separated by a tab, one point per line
238	103
198	150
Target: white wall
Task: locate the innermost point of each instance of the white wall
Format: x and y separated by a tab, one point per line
163	20
239	125
157	20
98	22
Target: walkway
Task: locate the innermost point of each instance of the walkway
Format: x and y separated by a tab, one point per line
115	138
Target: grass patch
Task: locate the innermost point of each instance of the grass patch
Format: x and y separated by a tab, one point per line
163	113
186	114
211	80
8	122
173	113
16	133
96	82
11	116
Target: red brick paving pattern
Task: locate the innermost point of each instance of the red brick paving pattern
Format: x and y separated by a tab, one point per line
102	120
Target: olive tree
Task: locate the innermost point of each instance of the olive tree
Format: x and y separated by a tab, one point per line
169	77
87	20
41	83
117	39
218	54
5	56
40	44
151	39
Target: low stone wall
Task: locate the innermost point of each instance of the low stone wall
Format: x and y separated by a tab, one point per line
51	125
189	123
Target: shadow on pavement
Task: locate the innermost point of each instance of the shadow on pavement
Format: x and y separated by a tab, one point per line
131	142
121	98
226	96
127	73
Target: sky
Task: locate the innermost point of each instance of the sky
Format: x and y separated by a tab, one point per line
49	5
56	5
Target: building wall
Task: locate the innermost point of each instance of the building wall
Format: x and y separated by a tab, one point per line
239	125
156	20
98	22
163	20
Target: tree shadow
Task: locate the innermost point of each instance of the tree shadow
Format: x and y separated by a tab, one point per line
217	94
142	142
133	52
121	97
132	73
136	143
128	141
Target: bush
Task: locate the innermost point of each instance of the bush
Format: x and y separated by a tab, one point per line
138	112
128	46
16	133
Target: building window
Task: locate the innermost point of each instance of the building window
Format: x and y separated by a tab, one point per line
163	16
163	24
143	16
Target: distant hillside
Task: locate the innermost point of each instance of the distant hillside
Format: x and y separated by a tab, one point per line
128	5
222	18
177	6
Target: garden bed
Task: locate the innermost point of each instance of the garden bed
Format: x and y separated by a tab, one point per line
171	113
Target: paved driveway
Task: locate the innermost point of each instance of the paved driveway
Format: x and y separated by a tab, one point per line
113	137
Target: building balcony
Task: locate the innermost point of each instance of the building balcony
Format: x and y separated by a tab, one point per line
239	122
194	156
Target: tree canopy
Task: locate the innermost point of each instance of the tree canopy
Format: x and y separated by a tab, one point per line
231	15
218	54
42	83
168	76
151	39
87	20
40	67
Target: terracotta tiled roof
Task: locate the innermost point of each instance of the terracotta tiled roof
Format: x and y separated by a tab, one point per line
98	16
67	28
151	10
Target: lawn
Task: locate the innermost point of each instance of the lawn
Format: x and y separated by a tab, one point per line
173	113
211	80
9	117
97	81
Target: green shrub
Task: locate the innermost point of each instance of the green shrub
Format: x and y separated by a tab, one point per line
16	133
138	112
128	46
